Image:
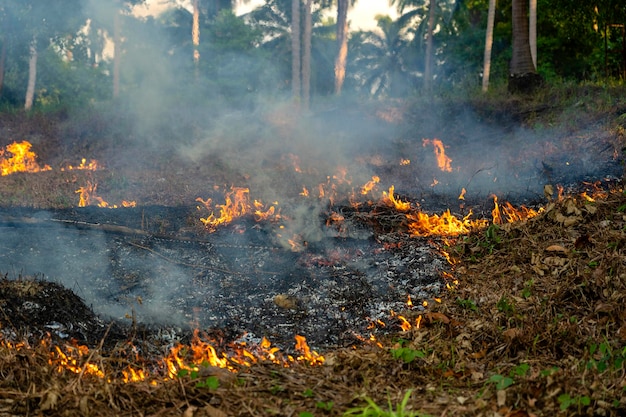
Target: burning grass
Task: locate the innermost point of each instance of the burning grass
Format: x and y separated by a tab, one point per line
534	327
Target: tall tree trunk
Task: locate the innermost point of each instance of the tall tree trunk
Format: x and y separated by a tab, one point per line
195	36
295	50
532	31
3	58
32	76
428	71
523	77
342	43
117	52
488	44
306	56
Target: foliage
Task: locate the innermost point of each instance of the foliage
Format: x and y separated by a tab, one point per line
374	410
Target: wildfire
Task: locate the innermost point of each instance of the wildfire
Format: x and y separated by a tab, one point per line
370	185
443	161
17	157
422	224
237	204
88	197
92	165
389	199
509	214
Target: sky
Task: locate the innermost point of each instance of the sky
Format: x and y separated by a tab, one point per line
361	16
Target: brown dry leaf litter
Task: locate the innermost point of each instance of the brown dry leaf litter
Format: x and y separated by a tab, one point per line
536	327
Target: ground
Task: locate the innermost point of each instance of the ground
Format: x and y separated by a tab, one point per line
533	322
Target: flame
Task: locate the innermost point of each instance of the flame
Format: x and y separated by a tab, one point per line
399	205
308	355
92	165
237	204
17	157
88	197
509	214
71	360
370	185
422	224
443	162
405	161
462	195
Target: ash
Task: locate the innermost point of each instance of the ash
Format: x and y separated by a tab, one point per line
239	280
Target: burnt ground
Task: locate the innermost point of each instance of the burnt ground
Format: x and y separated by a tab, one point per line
515	336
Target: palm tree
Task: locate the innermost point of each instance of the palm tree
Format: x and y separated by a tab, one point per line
384	64
523	75
488	44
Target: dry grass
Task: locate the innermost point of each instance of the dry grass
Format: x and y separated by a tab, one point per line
536	326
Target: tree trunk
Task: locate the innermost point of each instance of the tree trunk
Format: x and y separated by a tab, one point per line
532	32
32	76
488	44
523	78
195	35
117	52
428	71
342	43
3	57
295	49
306	56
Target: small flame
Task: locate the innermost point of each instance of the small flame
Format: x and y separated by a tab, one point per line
405	161
370	185
443	161
17	157
88	197
92	165
237	204
308	355
399	205
509	214
422	224
462	195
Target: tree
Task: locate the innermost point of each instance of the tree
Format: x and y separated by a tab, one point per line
523	77
296	63
384	63
342	44
488	44
306	54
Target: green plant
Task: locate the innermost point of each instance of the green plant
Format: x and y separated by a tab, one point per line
527	291
211	382
467	304
407	354
308	393
566	401
324	405
371	409
505	306
602	357
501	381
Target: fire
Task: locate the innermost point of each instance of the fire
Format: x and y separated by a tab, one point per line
17	157
509	214
237	204
308	355
399	205
71	360
88	197
370	185
443	161
422	224
92	165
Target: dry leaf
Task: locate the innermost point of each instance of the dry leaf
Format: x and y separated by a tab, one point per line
190	411
286	301
501	397
437	317
512	334
556	248
50	399
211	411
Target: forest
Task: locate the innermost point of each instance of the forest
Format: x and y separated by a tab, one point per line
78	53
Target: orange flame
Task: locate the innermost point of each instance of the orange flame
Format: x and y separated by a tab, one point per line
308	355
370	185
422	224
400	205
509	214
88	197
237	204
92	165
17	157
443	162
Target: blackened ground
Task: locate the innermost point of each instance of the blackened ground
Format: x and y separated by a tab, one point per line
239	278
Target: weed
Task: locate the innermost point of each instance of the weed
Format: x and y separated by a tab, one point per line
527	291
602	357
374	410
212	383
501	381
308	393
324	405
467	304
407	354
505	306
566	401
